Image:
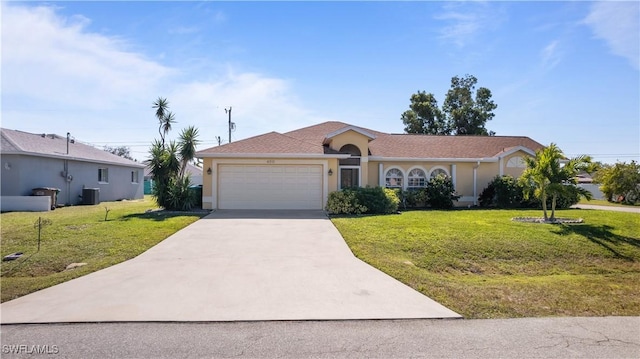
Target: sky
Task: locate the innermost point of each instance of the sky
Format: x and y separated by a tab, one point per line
560	72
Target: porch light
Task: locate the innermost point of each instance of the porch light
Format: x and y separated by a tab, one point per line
209	170
330	173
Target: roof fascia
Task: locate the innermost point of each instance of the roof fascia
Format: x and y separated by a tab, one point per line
270	155
333	134
516	149
78	159
421	159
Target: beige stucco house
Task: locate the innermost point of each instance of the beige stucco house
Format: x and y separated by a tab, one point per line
298	169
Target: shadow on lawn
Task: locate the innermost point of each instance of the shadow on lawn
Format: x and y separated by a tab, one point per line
601	235
161	215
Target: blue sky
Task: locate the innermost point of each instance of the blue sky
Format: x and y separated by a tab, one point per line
562	72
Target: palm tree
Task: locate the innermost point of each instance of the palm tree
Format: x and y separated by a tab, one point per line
187	145
547	175
165	117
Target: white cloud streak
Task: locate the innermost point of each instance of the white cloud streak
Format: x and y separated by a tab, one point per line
618	24
58	77
466	21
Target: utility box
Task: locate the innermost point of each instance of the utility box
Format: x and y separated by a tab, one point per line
91	196
47	191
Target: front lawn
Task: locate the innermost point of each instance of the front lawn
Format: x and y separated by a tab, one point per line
481	264
80	234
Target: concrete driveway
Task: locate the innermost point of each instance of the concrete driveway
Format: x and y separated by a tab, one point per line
233	266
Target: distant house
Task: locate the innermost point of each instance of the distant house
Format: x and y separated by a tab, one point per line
194	171
298	169
30	160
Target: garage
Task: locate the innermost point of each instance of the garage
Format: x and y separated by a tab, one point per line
270	186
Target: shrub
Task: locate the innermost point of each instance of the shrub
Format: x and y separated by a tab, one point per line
440	192
344	201
372	200
412	198
502	192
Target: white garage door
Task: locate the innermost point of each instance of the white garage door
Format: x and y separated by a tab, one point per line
270	187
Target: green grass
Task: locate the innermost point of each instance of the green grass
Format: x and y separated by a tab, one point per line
603	202
481	264
80	234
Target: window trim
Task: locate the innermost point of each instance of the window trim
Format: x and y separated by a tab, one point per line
402	179
433	169
102	173
135	177
426	178
359	168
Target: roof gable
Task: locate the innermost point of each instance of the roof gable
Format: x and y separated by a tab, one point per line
55	146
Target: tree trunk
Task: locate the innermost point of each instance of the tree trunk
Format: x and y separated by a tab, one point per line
544	205
553	207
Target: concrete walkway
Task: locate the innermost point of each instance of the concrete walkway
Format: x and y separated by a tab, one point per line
607	208
233	266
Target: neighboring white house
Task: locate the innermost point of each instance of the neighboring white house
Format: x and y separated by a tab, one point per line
31	160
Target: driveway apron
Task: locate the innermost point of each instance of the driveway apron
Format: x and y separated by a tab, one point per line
233	266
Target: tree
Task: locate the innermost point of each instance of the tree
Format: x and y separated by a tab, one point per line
122	151
164	116
424	116
466	114
188	143
167	162
546	176
465	110
620	182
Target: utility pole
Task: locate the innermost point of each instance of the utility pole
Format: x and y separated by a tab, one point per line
230	123
219	139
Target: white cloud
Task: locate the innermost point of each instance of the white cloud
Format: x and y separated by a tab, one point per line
58	77
618	23
53	61
551	55
466	21
259	104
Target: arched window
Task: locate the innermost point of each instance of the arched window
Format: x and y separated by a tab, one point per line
437	171
416	179
516	162
354	151
393	178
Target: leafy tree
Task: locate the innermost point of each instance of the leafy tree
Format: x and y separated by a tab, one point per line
468	112
465	110
167	162
122	151
620	182
424	116
546	176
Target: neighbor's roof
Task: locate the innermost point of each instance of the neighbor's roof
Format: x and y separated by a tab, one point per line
384	145
192	169
55	146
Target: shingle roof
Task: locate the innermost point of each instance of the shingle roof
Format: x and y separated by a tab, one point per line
310	140
272	142
51	145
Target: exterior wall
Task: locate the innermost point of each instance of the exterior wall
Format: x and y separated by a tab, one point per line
508	170
23	173
210	181
351	138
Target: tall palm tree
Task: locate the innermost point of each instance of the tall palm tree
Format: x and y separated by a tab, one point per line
165	117
187	145
548	176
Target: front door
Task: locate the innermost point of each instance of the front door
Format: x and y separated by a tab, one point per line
349	177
